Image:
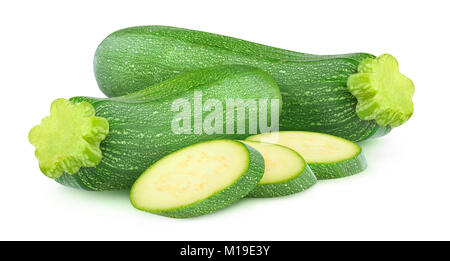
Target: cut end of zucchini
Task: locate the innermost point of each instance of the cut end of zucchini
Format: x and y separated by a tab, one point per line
383	93
69	138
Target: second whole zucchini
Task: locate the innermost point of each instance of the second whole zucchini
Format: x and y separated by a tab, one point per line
355	96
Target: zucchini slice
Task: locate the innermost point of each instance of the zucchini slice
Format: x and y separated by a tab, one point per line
198	179
328	156
285	173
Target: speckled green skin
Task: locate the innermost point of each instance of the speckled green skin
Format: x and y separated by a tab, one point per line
140	124
304	180
239	189
314	87
340	169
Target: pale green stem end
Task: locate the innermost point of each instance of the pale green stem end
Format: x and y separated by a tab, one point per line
383	93
69	138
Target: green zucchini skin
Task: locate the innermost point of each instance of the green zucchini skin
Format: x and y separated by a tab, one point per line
299	183
314	87
239	189
140	124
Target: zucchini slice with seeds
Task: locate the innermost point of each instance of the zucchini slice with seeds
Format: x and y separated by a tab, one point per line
198	179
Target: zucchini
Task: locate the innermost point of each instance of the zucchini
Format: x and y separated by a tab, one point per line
285	173
328	156
198	179
355	96
106	143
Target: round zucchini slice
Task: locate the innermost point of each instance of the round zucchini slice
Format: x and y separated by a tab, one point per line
198	179
286	172
328	156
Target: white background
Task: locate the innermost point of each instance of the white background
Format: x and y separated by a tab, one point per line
46	53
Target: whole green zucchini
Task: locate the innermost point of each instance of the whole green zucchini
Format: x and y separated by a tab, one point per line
106	143
355	96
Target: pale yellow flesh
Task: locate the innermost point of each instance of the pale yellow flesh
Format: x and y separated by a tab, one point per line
281	163
191	174
313	147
